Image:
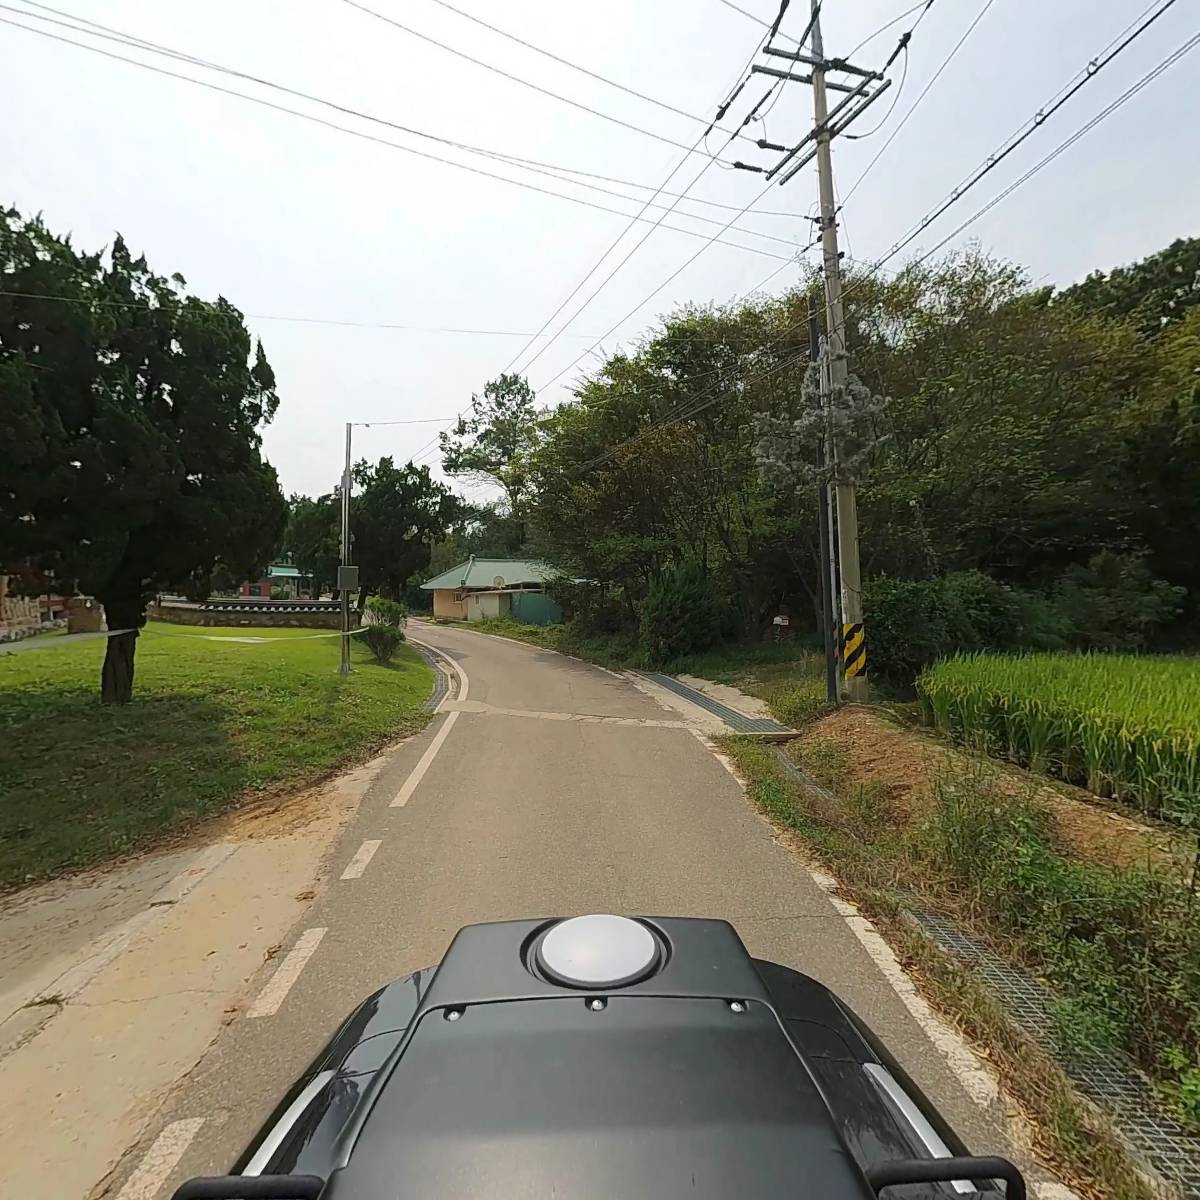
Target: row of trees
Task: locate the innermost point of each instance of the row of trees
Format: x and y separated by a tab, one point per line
1005	429
130	420
396	516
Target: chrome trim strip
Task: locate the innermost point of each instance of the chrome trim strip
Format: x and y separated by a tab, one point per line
274	1139
886	1082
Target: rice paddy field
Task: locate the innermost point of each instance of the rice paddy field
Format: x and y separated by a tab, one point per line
1122	726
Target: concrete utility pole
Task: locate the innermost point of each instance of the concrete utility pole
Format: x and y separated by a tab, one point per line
343	575
829	621
853	646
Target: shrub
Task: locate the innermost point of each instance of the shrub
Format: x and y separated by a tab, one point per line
1116	603
383	641
1045	623
981	612
588	607
908	625
798	703
381	611
679	615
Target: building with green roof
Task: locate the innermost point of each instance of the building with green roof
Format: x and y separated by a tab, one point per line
483	588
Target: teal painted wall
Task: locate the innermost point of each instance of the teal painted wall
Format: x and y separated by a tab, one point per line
535	608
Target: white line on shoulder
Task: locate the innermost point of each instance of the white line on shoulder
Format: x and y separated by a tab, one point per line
275	992
160	1160
358	864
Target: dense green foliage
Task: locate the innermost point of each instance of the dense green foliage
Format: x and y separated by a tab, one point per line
1122	726
1013	435
130	423
679	615
493	441
311	539
397	514
1112	602
213	719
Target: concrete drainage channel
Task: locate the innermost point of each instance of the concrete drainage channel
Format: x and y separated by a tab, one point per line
441	677
738	722
1106	1077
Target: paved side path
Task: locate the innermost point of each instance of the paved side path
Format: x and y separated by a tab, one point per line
551	787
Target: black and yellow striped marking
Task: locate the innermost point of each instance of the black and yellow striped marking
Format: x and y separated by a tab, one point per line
854	650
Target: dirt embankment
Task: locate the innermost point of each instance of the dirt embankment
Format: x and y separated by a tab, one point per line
906	761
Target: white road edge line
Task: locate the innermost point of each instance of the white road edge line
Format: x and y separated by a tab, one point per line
160	1160
464	684
418	773
980	1084
275	992
358	864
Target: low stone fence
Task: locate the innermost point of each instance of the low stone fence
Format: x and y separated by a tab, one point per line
301	614
20	632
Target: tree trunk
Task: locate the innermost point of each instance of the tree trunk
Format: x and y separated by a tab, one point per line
116	676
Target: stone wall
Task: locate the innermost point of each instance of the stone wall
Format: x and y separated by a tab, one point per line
181	613
18	612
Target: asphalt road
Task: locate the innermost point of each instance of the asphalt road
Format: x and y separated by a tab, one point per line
558	788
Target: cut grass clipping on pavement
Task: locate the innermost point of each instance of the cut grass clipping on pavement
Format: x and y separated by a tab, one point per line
210	720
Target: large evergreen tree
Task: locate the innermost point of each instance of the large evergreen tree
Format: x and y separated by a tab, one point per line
131	425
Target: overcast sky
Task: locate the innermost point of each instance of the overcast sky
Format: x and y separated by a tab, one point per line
288	218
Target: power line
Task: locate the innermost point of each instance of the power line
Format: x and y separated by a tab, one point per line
924	91
358	133
535	166
645	187
646	300
758	21
925	5
1152	74
512	37
418	421
425	449
253	316
887	116
634	249
1094	67
513	78
1148	78
296	320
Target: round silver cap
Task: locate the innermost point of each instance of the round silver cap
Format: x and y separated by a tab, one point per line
598	951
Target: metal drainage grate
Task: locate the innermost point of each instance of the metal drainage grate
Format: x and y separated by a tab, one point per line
804	778
738	722
441	679
1107	1077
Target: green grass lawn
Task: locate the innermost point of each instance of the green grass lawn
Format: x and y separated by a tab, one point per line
210	721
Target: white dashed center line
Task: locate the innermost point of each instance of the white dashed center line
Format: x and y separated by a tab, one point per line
274	994
358	864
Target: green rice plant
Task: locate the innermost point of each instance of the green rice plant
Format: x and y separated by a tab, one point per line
1122	725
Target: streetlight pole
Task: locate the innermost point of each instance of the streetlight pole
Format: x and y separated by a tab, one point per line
343	580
